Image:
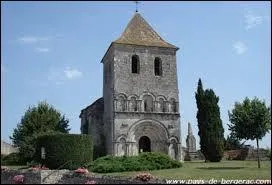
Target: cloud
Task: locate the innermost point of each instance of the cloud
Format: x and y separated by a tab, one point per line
239	47
251	20
59	76
32	39
42	50
72	73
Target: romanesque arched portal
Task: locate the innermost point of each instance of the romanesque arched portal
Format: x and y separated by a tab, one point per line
144	144
148	135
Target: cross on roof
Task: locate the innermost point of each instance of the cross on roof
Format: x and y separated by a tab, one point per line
136	3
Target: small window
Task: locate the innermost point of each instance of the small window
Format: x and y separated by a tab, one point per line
158	67
135	64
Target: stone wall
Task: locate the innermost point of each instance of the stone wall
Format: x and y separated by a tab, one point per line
146	98
245	154
108	95
92	116
137	83
7	148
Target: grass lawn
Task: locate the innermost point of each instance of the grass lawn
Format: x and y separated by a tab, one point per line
200	170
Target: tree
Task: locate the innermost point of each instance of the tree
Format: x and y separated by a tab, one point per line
211	131
36	121
250	119
232	143
199	95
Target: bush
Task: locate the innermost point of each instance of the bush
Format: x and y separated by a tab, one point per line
2	156
64	151
142	162
11	159
268	154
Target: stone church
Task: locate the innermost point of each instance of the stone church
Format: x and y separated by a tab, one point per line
139	110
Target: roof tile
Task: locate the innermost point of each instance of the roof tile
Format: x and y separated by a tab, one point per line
139	32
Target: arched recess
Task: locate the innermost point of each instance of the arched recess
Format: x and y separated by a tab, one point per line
161	103
121	147
148	103
121	101
133	103
173	148
154	130
172	105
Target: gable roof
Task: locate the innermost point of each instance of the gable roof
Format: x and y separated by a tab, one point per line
139	32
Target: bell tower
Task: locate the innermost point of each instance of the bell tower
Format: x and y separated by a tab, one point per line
140	91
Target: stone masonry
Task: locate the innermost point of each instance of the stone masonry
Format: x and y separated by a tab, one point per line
140	96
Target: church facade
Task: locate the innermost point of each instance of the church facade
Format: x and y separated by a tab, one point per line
139	110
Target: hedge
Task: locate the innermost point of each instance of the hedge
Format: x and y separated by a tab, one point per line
11	159
144	161
64	151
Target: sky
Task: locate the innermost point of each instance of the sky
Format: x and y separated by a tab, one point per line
52	51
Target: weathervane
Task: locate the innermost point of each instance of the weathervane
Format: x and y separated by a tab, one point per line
136	3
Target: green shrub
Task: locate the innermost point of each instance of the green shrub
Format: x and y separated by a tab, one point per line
64	151
2	156
268	154
144	161
11	159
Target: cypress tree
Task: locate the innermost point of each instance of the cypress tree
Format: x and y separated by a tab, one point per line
199	95
211	131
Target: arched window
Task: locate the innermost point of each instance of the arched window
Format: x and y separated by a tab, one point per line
135	64
148	103
133	104
158	67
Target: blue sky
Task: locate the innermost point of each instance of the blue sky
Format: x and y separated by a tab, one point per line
52	51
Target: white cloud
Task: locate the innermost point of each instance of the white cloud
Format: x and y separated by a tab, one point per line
72	73
58	76
251	20
239	47
32	39
42	50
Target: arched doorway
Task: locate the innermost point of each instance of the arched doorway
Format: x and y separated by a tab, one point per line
144	144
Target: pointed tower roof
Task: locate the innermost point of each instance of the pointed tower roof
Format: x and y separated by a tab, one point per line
139	32
190	132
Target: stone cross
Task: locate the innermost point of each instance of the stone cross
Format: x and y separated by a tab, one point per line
136	3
